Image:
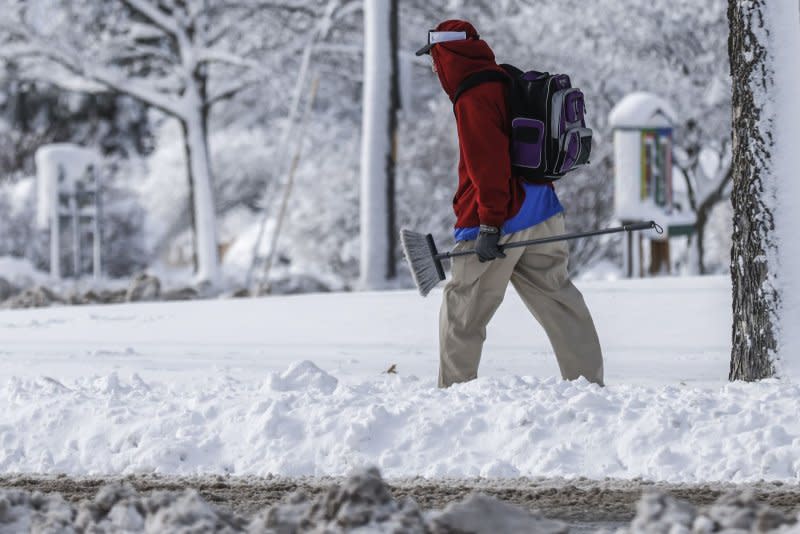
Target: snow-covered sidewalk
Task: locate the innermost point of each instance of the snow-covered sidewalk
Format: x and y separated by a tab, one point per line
230	387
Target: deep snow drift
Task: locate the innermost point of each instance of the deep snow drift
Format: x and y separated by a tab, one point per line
304	422
228	387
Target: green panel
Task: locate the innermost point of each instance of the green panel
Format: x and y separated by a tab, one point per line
678	230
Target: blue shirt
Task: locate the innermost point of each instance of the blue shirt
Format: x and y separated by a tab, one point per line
540	203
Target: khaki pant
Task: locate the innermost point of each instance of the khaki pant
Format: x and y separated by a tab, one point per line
539	274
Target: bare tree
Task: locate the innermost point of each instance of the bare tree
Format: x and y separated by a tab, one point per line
755	295
178	56
706	187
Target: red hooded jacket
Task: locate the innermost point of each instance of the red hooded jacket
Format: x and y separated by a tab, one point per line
487	193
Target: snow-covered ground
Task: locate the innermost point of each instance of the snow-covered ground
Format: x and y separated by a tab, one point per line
228	387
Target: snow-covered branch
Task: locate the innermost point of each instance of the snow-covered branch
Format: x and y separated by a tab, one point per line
155	15
253	6
230	91
354	50
36	47
141	91
348	9
212	55
144	53
238	11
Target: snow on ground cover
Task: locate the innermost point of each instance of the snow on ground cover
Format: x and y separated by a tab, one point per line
223	387
657	332
305	422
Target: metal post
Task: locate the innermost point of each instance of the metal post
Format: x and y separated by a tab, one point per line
55	225
55	240
640	257
97	236
76	226
627	255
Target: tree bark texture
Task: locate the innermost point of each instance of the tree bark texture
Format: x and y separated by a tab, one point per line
755	295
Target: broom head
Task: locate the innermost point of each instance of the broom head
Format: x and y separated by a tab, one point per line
421	254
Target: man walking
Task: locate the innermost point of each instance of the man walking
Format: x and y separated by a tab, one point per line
493	208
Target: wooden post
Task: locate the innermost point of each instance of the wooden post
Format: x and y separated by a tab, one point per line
659	257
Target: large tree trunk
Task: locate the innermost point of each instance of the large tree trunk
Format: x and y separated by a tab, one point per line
204	213
187	151
700	226
754	252
381	102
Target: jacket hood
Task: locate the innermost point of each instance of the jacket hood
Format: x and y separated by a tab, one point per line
455	60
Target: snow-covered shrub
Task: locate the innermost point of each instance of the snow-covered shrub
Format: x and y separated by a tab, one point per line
124	251
19	236
321	233
163	190
244	163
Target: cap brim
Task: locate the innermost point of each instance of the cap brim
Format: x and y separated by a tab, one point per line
425	50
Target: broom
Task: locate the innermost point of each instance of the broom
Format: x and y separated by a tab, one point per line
425	261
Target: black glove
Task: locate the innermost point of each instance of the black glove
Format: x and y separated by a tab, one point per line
486	246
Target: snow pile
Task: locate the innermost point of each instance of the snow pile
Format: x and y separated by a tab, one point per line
21	272
363	501
21	511
304	421
657	512
481	514
116	508
302	376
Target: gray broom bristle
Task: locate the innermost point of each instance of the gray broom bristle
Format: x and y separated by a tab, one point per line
420	261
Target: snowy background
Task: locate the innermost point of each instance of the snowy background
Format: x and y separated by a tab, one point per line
675	49
318	384
293	386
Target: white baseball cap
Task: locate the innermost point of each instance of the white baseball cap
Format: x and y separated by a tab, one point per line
435	37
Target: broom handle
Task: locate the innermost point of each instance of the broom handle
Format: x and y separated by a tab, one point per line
563	237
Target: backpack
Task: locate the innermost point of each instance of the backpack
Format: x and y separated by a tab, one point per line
549	137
